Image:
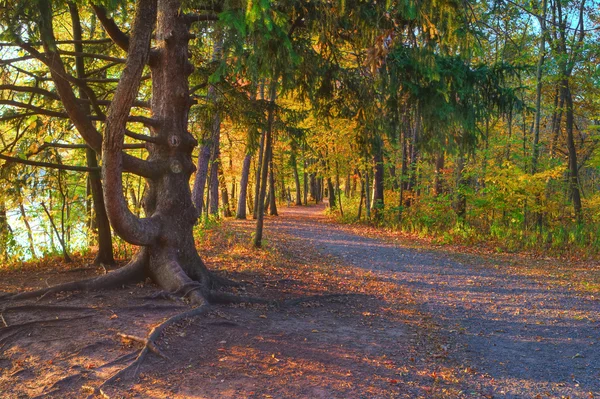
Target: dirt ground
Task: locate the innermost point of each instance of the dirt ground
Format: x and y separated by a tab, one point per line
405	322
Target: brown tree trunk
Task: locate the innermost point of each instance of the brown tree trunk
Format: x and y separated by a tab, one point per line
272	198
439	181
102	225
259	166
4	231
331	192
305	183
27	227
296	178
378	184
572	149
264	169
241	206
224	193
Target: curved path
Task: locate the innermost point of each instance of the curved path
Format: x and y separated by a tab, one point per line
522	338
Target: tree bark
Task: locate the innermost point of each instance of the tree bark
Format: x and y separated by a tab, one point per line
4	231
572	150
102	225
378	183
264	168
331	192
241	206
272	198
294	162
538	95
439	180
224	193
305	183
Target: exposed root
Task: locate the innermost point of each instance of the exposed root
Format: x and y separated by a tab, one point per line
120	359
162	295
6	339
311	298
217	281
31	323
153	336
131	273
150	345
224	298
44	307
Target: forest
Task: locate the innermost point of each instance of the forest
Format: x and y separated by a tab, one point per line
207	153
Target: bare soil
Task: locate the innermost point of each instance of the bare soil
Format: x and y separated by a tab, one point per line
403	322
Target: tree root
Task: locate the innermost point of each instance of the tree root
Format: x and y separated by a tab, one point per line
149	342
311	298
43	307
150	345
120	359
224	298
130	273
31	323
217	281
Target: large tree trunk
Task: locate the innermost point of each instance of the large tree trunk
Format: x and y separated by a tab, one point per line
241	206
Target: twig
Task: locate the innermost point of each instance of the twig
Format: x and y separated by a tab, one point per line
3	320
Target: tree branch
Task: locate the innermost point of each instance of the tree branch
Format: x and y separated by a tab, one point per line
48	164
127	225
191	18
120	38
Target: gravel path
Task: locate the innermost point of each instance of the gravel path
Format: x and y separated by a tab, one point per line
529	340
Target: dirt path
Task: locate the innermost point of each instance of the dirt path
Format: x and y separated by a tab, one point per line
405	323
525	337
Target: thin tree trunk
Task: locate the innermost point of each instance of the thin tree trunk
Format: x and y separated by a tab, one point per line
362	195
265	167
296	178
63	246
105	250
331	192
272	197
367	196
224	193
27	227
439	181
4	231
538	98
241	207
378	183
572	150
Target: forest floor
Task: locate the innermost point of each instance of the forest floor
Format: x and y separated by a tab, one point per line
411	321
